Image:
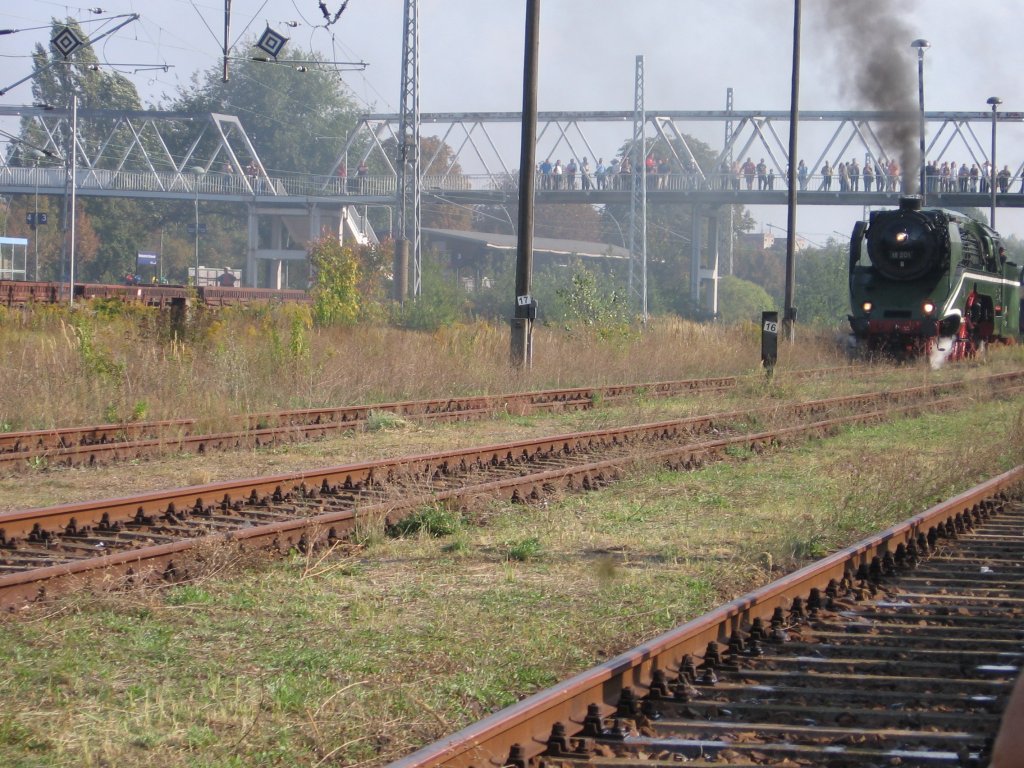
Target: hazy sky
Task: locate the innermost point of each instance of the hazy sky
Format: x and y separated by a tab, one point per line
471	55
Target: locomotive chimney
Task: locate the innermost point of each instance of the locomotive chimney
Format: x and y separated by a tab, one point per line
910	203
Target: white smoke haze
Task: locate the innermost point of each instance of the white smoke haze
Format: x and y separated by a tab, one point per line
876	69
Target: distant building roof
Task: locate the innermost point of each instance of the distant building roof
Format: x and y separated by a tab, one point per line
551	245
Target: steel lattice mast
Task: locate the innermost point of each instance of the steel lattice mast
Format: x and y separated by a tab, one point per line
408	224
638	200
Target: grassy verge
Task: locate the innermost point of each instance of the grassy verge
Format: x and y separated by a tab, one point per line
355	657
59	368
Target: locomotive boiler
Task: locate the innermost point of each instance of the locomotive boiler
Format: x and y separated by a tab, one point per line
930	282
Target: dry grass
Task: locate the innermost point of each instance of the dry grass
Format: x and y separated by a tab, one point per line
58	369
354	656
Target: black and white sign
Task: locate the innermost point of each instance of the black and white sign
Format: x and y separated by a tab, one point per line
271	42
35	219
67	42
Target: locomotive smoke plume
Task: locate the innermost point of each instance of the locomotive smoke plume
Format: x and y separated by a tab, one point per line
878	70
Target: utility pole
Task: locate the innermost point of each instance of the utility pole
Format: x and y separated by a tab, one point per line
789	318
525	309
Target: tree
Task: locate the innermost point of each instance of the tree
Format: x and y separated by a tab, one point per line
283	110
589	306
822	284
336	277
742	301
766	268
109	231
441	302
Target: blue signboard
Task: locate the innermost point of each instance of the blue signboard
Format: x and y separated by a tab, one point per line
147	259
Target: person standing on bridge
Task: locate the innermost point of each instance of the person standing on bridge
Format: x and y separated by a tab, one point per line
749	169
342	178
762	176
570	174
545	174
1003	179
894	176
253	173
868	174
585	183
826	176
226	279
557	173
801	175
600	172
362	173
854	170
664	171
963	177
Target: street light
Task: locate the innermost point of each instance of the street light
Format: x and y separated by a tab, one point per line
921	45
995	101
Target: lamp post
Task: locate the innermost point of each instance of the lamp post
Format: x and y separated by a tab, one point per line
995	101
921	45
196	183
35	221
73	176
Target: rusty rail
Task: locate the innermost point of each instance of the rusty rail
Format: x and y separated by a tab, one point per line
105	443
147	536
610	714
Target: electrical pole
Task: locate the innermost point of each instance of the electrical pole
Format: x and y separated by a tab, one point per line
789	319
525	309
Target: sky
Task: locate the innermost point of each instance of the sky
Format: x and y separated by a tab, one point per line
471	56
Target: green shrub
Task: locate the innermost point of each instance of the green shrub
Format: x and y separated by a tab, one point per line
435	520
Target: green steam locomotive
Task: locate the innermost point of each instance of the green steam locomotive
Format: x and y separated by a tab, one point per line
930	282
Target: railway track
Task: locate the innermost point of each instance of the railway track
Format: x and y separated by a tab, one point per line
153	535
107	443
900	650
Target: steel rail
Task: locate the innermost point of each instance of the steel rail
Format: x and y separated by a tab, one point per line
417	479
106	443
88	445
540	722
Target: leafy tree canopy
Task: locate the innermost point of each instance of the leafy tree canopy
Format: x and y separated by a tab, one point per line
283	110
742	301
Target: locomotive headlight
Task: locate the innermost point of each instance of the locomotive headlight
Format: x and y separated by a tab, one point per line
901	237
866	306
928	307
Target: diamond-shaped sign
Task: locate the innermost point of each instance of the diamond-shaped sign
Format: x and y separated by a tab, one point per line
67	42
271	42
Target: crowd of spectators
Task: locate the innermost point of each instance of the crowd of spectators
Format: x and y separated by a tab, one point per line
871	175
